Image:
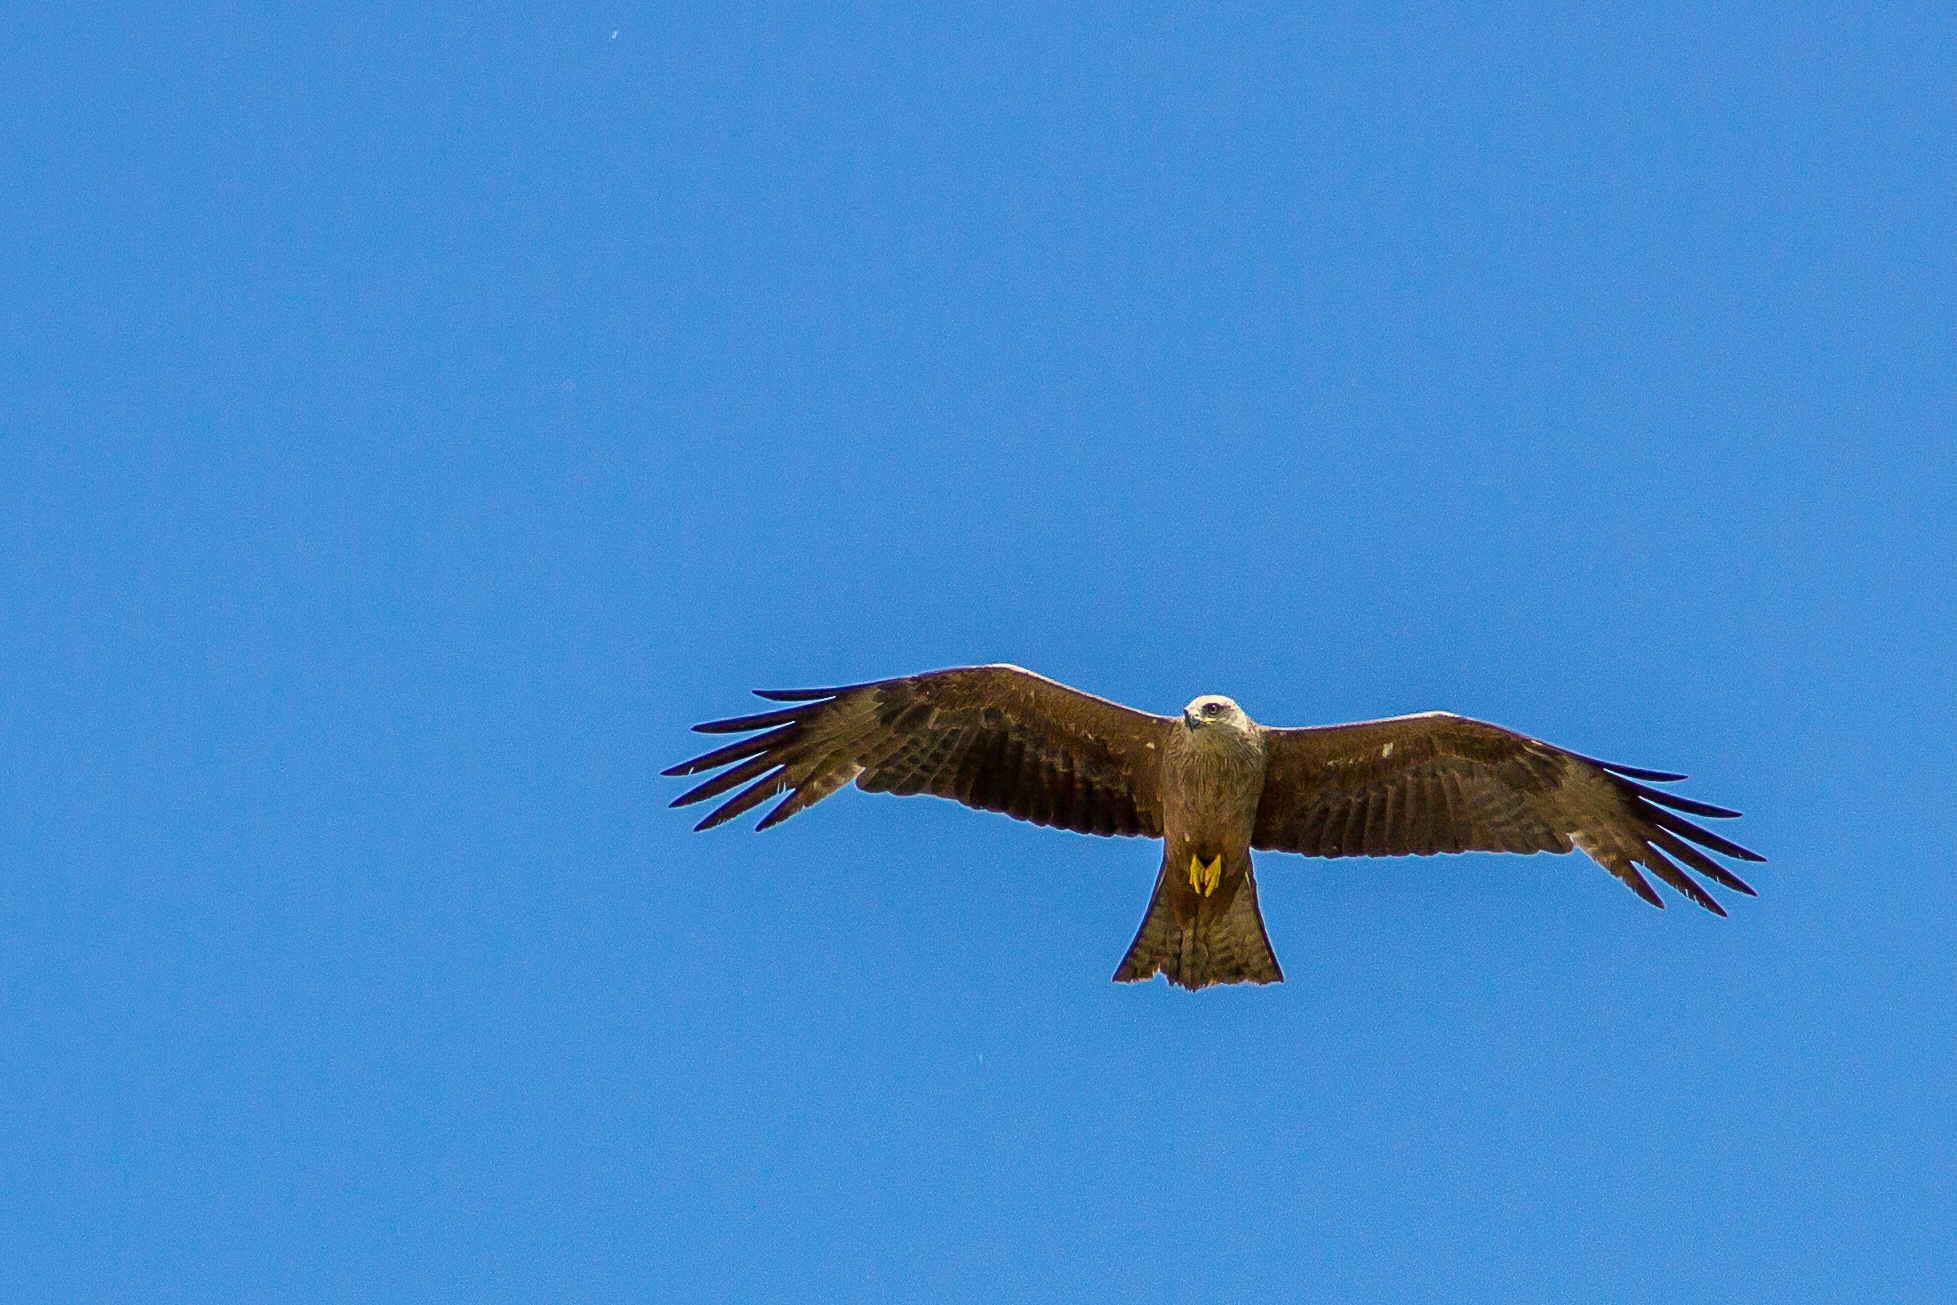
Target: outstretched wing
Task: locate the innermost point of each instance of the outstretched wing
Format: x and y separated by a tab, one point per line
993	737
1417	785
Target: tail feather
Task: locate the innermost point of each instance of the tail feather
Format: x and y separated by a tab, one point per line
1196	940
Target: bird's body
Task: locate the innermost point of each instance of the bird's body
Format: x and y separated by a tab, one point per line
1212	779
1212	786
1203	925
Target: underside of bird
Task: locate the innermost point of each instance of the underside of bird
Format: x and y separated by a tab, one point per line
1212	784
1202	927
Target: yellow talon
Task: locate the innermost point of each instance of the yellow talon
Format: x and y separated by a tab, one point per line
1203	878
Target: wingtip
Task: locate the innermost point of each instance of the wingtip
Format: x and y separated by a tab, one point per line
815	695
1691	806
1632	772
1638	884
1703	837
1727	879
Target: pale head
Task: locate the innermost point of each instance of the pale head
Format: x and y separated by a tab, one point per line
1213	711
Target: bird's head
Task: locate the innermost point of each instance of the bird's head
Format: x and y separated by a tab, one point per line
1214	711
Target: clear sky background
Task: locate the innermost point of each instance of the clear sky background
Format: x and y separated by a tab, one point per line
413	417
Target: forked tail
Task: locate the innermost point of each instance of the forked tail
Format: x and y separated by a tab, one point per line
1197	939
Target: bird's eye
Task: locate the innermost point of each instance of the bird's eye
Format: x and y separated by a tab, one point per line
1210	709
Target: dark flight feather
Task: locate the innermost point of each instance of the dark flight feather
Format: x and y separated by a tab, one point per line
1703	837
742	724
1699	861
1632	772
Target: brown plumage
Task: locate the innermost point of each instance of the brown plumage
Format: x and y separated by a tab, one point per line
1212	785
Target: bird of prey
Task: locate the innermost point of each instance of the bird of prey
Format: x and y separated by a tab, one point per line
1212	784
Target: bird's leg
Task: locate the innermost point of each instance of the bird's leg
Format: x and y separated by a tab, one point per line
1203	878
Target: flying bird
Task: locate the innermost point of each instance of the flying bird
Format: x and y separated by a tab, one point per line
1213	785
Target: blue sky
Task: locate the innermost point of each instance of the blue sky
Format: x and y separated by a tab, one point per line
412	418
